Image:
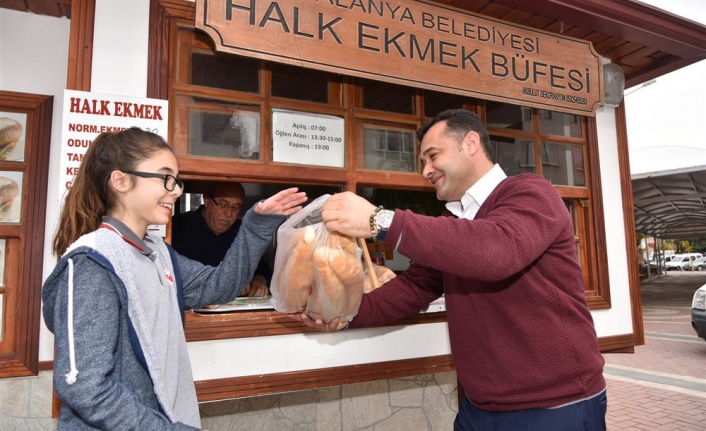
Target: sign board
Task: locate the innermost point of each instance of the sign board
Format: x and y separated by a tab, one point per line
413	43
309	139
86	115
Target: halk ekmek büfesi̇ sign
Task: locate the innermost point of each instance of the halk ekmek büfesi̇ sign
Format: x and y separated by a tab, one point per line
414	43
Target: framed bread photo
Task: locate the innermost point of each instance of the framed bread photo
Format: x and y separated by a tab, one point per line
13	126
10	196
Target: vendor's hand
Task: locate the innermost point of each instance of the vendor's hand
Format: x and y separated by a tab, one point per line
256	287
286	202
334	325
348	214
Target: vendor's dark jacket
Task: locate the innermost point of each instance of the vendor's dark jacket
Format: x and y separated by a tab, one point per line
191	237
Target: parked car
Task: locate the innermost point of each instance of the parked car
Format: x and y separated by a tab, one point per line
682	262
662	261
698	312
700	264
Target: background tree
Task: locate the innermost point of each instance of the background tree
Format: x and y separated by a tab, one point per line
684	246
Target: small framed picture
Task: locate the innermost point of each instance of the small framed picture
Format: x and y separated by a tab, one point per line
10	196
13	126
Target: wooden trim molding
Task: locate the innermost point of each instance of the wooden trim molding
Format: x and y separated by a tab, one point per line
629	223
81	45
20	349
624	343
45	366
162	12
247	386
600	297
200	327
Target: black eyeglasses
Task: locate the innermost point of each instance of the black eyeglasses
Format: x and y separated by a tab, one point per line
170	181
224	206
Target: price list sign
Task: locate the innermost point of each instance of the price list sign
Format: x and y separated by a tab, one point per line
87	114
307	139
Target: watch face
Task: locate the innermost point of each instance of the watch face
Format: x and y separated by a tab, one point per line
385	219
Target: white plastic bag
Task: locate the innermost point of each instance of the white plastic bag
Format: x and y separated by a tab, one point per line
316	271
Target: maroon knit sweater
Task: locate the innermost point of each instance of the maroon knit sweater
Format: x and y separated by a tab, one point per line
520	330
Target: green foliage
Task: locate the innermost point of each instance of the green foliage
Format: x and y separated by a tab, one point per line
684	246
698	245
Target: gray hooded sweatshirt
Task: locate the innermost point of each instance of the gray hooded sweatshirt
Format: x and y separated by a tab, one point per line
111	285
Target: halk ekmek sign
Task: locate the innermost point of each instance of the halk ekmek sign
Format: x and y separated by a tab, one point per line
413	43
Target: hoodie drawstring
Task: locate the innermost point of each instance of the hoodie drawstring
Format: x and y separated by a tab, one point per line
73	372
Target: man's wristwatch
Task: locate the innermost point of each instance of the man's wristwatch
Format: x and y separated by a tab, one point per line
382	221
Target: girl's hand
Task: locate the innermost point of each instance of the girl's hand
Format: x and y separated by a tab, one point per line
286	202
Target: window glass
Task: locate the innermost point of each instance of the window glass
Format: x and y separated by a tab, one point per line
382	96
224	130
515	156
572	206
563	164
389	149
506	116
435	102
559	123
299	83
229	72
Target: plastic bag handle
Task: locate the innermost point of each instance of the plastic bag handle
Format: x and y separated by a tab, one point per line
314	207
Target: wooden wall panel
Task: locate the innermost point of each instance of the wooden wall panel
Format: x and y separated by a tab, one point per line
81	45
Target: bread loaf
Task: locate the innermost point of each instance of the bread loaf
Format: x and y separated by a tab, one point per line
328	297
383	273
317	271
344	260
10	134
346	266
291	286
336	240
9	189
338	276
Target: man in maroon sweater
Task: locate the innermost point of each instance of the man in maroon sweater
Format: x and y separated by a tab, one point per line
504	256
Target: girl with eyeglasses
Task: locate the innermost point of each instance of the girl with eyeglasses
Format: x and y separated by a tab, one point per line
116	297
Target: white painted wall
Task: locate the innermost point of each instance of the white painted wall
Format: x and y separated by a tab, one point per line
618	319
120	44
285	353
38	64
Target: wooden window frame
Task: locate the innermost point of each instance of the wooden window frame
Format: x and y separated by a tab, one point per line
19	350
589	221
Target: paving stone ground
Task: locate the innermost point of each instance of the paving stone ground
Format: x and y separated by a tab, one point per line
662	386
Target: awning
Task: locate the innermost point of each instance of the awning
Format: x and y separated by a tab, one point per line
671	204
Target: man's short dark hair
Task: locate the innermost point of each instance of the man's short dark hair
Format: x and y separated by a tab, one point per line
222	189
458	123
